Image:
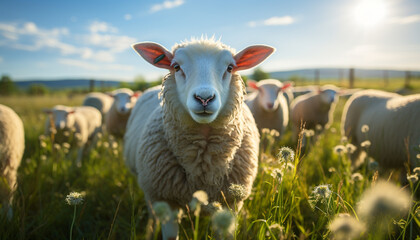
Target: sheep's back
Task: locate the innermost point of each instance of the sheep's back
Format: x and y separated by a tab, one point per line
98	100
92	117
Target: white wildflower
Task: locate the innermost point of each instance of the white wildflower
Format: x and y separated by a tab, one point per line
412	178
345	227
277	174
340	149
322	192
356	177
365	128
350	148
365	144
162	211
74	198
223	223
286	154
238	191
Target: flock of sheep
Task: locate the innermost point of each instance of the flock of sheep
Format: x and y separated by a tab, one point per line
199	130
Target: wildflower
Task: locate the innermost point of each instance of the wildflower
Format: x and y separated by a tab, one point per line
74	198
114	145
42	138
416	171
365	144
373	165
274	133
318	127
265	131
286	154
345	227
115	152
356	177
106	144
223	222
365	128
333	130
331	169
289	166
350	148
214	207
162	211
53	131
66	145
66	133
57	147
382	201
322	192
99	144
343	139
308	133
201	196
43	158
43	144
340	149
277	174
418	156
412	178
238	191
99	135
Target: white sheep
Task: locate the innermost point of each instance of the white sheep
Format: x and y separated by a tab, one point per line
12	145
100	101
268	104
393	127
84	122
117	117
201	136
314	108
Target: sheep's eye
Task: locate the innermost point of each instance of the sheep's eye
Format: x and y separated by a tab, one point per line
230	68
177	67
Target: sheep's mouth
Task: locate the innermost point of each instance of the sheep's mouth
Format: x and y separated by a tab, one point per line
204	114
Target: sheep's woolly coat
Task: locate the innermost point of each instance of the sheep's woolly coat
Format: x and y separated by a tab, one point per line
394	129
100	101
12	144
173	156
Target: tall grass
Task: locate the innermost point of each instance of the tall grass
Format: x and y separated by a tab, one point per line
114	206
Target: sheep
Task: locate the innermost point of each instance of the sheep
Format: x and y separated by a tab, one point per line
269	108
100	101
200	135
84	121
314	108
117	117
12	145
393	127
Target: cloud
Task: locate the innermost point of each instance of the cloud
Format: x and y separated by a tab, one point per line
128	17
166	5
273	21
97	27
114	43
405	20
94	67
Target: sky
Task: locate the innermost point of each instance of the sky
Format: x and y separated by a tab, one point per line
92	39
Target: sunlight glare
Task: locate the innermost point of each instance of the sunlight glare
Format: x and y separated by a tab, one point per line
369	13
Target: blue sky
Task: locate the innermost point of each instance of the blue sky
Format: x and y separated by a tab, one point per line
91	39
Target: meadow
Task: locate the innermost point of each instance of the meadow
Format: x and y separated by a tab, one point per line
280	207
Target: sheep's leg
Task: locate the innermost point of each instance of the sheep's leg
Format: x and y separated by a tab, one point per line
79	156
170	229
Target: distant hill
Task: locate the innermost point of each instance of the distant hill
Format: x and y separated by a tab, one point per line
340	73
68	83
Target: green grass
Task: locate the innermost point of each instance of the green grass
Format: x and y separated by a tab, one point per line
114	207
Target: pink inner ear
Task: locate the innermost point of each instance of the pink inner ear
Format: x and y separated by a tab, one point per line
71	112
253	85
155	54
136	94
252	56
286	86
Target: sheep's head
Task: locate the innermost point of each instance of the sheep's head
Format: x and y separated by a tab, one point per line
329	94
123	100
203	70
269	92
63	117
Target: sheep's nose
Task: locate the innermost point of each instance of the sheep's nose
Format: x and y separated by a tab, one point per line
204	100
270	105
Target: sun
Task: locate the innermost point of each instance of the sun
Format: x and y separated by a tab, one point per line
370	13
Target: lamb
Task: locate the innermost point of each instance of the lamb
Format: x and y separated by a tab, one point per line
117	117
314	108
269	108
200	135
393	123
100	101
84	121
12	145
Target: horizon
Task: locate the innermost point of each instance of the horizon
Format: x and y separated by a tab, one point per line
55	40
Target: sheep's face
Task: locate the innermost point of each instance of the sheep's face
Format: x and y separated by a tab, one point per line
328	96
123	102
270	93
63	119
203	78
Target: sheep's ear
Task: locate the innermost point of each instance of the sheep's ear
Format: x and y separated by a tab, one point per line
286	86
154	53
252	56
47	111
136	94
71	111
252	84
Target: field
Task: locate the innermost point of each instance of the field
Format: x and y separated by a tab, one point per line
114	207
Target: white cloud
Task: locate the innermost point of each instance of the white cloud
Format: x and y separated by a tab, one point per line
273	21
113	42
405	20
97	27
166	5
94	67
128	17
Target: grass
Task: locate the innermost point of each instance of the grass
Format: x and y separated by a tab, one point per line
114	206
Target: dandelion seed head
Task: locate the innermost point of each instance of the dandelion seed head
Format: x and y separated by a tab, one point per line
56	146
265	131
66	133
42	137
343	139
43	158
201	197
66	145
286	154
99	135
277	174
418	156
382	201
416	171
106	144
42	144
350	148
365	144
74	198
238	191
318	127
308	133
274	133
162	211
322	191
365	128
412	178
332	170
356	177
114	145
345	227
223	222
53	131
340	149
115	152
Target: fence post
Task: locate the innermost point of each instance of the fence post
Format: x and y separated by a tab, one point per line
351	78
316	76
91	85
407	79
386	78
